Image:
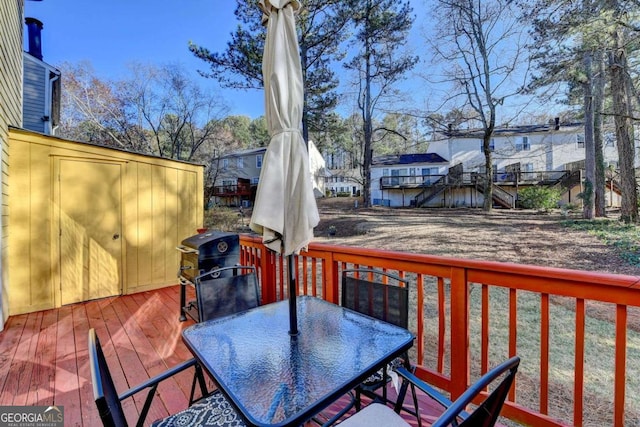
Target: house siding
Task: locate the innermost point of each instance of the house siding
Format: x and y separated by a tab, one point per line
11	31
160	203
34	92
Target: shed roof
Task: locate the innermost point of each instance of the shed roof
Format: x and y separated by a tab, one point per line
405	159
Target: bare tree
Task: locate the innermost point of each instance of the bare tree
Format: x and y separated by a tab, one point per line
382	27
179	115
480	47
93	110
157	110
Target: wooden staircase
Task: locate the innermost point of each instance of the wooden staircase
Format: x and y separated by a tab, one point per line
429	193
499	195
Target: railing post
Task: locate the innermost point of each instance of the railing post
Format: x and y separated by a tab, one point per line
459	332
330	279
268	275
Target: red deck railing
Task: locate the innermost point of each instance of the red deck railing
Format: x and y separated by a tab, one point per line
469	315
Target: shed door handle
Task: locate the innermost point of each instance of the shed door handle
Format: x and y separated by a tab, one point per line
116	236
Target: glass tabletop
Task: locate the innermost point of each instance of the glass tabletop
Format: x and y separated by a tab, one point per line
277	380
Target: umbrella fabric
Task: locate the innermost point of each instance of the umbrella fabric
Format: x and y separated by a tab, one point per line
285	210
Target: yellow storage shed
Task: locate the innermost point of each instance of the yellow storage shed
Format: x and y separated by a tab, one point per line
88	222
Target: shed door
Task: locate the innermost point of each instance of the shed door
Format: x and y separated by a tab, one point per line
90	230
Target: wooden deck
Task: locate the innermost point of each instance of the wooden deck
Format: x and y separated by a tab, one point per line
43	355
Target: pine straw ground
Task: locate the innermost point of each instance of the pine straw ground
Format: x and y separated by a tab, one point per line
517	236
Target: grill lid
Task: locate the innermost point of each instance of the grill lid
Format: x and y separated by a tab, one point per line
207	241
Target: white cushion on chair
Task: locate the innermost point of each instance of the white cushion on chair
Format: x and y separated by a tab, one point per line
375	414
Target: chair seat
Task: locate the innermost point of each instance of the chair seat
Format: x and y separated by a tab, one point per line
213	410
375	414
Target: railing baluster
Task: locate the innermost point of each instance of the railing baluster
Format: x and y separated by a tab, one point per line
513	332
578	392
314	277
484	345
420	318
620	365
544	354
442	313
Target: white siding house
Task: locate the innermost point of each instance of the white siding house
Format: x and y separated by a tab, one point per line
536	148
522	156
397	179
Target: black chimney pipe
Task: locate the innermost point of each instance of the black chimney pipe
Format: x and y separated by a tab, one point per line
34	29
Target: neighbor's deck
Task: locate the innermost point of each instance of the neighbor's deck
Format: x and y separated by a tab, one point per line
43	355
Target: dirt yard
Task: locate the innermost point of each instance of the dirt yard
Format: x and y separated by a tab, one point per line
524	237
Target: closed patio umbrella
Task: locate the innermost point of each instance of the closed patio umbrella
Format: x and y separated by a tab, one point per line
285	210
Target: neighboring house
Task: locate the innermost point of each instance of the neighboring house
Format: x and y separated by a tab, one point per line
342	177
238	174
41	86
318	170
539	148
344	181
550	154
397	179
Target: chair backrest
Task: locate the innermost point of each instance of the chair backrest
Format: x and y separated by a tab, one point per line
104	391
386	300
487	413
219	294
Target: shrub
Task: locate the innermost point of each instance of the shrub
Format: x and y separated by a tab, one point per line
538	197
221	218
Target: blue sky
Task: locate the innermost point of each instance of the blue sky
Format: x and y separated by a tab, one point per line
111	34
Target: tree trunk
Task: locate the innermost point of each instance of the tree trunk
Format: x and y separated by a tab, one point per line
488	164
367	128
588	205
623	126
598	107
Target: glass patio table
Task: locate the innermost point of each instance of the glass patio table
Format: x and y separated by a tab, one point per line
274	379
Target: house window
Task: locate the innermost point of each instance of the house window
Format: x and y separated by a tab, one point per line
385	172
225	163
259	161
228	182
580	140
240	162
523	144
427	174
526	172
255	180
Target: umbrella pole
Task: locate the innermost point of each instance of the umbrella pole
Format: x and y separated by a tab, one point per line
293	312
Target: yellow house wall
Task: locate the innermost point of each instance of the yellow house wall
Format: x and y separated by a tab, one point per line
11	18
162	203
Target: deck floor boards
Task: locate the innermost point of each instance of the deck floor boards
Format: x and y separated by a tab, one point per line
44	357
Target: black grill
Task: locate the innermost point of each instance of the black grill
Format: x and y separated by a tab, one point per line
204	252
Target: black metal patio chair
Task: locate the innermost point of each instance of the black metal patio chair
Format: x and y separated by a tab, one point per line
211	410
484	415
219	293
384	296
